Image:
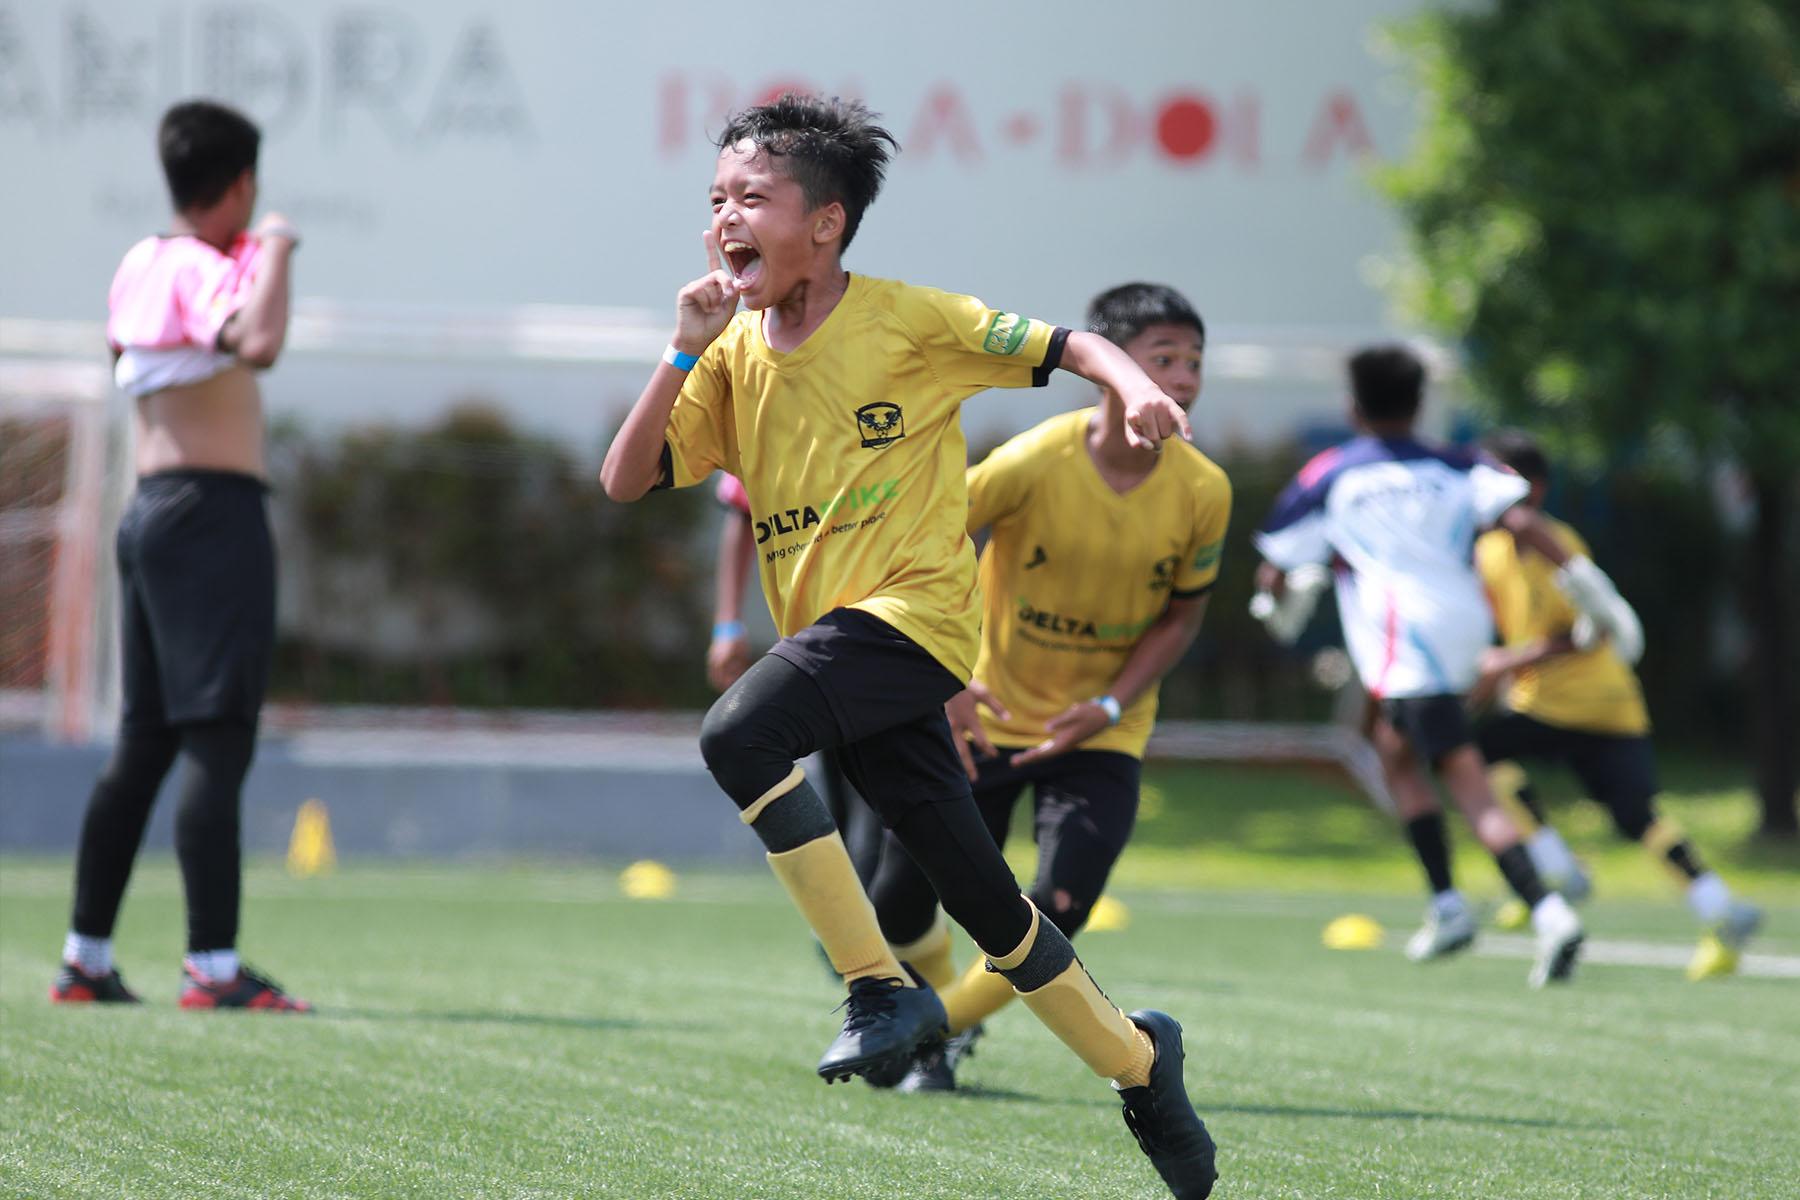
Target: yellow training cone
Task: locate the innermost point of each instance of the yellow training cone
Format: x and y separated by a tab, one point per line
310	851
1108	914
647	879
1353	931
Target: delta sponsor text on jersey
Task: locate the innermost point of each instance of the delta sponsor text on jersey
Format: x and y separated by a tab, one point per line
1081	628
861	500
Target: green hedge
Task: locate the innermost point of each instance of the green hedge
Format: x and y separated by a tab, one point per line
586	603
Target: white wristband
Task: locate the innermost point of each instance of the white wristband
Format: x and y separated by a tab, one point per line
1110	707
281	231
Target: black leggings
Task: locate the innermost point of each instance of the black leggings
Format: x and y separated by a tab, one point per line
1085	805
862	829
776	714
216	757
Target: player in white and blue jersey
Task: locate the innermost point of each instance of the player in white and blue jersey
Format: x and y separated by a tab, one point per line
1397	519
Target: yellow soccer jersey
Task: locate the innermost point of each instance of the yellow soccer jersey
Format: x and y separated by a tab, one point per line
1592	690
852	453
1074	573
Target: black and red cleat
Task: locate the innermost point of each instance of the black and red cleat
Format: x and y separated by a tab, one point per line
75	986
246	989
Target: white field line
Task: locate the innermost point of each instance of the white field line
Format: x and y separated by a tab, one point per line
1637	954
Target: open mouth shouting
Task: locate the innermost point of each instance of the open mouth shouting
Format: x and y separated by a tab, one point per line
743	260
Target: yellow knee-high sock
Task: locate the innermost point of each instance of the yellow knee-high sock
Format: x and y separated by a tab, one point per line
930	955
1507	780
822	882
975	996
1060	993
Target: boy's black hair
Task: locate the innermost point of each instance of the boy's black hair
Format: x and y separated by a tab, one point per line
831	147
1520	451
1120	314
1388	382
205	146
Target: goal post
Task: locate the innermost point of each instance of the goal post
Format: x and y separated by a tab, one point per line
59	448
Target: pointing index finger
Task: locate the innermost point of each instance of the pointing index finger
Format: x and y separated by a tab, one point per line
713	260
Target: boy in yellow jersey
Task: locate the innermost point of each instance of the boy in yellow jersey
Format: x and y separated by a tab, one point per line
1584	708
835	399
1094	583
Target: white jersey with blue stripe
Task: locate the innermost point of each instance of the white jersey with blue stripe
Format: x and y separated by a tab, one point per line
1398	518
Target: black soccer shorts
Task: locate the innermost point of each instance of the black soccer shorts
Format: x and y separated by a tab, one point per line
196	598
1432	725
886	694
1618	770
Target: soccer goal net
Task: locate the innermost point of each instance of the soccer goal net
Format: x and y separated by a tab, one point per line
58	446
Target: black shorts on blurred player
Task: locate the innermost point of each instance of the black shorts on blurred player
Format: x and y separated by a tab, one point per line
196	599
1618	770
1432	725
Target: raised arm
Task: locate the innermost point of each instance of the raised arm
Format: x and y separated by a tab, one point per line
1151	417
1603	611
729	654
702	310
257	331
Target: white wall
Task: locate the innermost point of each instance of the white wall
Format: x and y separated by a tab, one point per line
480	152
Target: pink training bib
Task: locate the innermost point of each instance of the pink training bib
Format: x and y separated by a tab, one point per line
169	299
731	493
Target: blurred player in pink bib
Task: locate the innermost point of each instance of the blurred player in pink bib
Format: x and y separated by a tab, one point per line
193	314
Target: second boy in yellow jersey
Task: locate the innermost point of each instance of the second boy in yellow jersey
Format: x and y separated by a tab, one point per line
834	398
1094	583
1582	707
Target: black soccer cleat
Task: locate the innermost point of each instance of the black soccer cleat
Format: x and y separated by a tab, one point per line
934	1064
896	1071
884	1022
75	986
1163	1120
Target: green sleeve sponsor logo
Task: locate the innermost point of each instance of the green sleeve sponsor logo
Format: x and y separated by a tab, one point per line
1208	556
1006	333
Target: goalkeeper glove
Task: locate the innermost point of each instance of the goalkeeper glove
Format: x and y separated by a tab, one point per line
1602	611
1286	618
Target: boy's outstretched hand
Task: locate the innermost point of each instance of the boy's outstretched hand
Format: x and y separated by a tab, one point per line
704	307
1151	418
1068	729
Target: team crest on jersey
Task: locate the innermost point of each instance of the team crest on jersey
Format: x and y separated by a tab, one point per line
1006	333
881	424
1162	574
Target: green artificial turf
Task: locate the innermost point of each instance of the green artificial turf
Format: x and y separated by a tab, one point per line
525	1031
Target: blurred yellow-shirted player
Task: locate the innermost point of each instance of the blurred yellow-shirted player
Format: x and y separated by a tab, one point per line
1094	583
1583	707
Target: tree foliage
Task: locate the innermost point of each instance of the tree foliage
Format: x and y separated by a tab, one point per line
1605	207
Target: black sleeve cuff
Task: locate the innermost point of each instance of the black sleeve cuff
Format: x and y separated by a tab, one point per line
665	477
1194	594
1040	375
